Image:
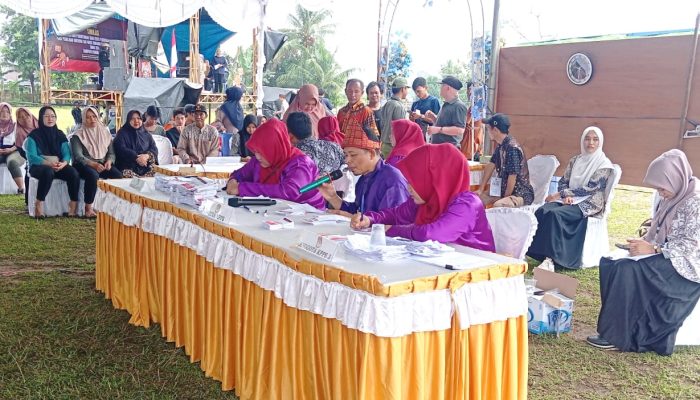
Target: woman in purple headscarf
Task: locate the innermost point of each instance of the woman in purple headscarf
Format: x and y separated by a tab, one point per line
645	299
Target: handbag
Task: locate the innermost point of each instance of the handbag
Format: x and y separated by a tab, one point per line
51	159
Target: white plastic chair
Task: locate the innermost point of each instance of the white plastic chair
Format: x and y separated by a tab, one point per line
56	202
596	243
7	184
541	169
513	230
165	150
689	334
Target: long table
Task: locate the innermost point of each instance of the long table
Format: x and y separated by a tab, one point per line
213	171
271	322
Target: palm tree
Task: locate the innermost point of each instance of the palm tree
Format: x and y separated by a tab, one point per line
309	27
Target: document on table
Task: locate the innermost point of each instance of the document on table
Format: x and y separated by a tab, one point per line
455	260
619	253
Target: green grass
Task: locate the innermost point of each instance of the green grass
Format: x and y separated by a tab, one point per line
59	338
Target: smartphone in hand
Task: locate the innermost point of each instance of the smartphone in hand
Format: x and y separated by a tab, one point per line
623	246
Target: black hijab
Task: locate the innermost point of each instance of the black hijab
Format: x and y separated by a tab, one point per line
48	139
137	140
244	135
232	107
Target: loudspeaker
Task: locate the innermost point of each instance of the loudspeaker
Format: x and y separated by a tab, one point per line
117	54
115	79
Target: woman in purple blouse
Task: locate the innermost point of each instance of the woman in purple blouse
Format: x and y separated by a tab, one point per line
441	206
278	169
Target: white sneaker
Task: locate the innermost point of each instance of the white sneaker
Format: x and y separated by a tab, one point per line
547	264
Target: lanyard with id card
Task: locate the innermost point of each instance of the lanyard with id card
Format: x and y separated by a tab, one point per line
495	186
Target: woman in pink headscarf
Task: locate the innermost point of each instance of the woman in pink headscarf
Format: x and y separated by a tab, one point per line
644	301
406	136
308	100
9	153
329	129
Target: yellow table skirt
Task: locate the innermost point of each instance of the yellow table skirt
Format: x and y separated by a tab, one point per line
252	342
212	175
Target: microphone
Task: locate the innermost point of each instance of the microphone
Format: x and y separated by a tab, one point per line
337	174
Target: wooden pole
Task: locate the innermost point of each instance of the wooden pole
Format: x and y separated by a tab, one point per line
45	73
194	49
495	48
379	41
689	86
255	68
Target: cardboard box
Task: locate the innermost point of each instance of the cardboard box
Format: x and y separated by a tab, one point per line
552	312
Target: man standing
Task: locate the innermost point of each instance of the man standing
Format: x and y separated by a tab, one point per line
282	105
391	111
356	119
426	102
198	140
450	122
510	164
103	59
328	156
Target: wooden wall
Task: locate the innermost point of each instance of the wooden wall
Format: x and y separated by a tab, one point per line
635	96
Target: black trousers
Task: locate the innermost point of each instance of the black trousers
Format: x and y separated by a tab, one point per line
90	175
45	175
219	82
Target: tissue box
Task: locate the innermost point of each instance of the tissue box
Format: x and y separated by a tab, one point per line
550	313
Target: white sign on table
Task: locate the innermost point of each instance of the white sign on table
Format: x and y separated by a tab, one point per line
220	212
318	245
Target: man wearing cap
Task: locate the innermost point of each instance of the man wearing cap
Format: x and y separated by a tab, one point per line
198	140
392	110
380	186
426	102
510	164
449	124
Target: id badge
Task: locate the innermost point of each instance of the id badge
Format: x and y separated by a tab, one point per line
495	187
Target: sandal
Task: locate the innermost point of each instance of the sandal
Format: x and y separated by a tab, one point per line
20	191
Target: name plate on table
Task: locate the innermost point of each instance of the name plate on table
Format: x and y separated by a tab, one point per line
218	211
318	245
187	170
137	183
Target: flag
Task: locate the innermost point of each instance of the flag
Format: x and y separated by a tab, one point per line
173	55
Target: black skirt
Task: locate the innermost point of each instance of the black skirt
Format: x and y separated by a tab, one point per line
561	231
643	303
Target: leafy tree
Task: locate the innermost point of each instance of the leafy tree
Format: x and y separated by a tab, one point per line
69	80
20	52
305	58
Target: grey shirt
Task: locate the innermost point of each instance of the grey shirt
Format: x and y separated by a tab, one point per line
80	154
452	113
392	110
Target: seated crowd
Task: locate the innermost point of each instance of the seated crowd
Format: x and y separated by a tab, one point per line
410	174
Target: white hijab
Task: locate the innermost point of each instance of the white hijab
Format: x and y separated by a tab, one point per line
588	163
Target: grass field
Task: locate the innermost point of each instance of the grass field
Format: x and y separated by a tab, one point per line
61	339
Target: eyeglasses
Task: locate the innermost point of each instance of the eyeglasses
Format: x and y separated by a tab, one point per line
49	116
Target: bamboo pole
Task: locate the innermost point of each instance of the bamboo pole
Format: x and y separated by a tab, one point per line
45	73
194	49
689	85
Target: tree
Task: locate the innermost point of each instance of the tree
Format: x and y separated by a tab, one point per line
305	58
69	80
20	52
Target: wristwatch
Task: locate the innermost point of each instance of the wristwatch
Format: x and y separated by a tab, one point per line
657	249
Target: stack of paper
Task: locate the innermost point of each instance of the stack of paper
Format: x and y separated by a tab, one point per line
455	260
193	191
163	182
359	246
327	219
299	209
431	248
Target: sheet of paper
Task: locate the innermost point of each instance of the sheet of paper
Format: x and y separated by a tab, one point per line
456	260
577	199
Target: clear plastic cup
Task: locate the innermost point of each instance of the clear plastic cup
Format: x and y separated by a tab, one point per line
378	237
530	285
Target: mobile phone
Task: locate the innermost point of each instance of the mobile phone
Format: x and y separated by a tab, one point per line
623	246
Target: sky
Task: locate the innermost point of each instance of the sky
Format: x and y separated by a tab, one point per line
441	32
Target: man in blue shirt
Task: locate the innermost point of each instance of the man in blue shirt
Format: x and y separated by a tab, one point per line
425	102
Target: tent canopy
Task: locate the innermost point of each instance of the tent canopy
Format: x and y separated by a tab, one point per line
230	14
